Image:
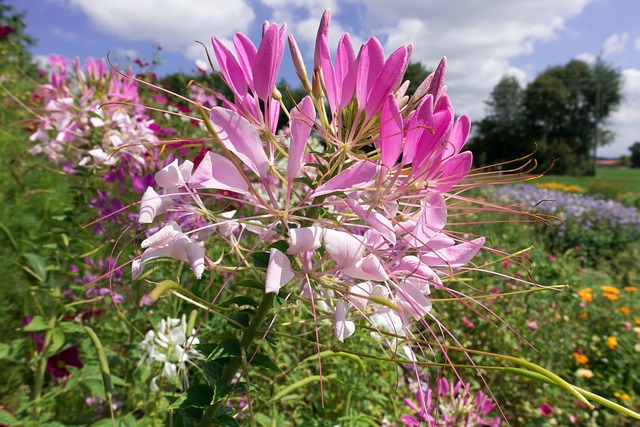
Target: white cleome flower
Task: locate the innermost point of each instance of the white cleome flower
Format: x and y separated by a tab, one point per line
169	344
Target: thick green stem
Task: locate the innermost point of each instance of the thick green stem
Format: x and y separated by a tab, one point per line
248	336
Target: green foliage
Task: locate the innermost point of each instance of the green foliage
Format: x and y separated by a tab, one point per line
635	155
561	112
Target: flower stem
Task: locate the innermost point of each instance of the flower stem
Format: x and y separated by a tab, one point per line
249	335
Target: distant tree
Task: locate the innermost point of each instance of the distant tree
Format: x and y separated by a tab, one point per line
635	155
14	41
501	135
566	108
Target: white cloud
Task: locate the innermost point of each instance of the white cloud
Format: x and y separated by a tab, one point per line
636	43
615	43
625	120
63	34
589	58
173	24
480	39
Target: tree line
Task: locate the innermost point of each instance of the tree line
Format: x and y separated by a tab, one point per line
560	117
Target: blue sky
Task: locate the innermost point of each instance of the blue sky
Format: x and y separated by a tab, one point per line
482	39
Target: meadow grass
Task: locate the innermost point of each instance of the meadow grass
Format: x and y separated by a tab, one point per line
627	177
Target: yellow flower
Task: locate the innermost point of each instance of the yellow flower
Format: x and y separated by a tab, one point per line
581	358
612	343
612	297
630	288
610	289
584	373
625	310
586	294
621	396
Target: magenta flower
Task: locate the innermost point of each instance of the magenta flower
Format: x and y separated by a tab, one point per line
57	364
546	410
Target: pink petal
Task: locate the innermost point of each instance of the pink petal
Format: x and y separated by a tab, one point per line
386	81
302	121
268	59
246	55
346	69
344	248
415	128
323	31
454	256
233	74
453	170
304	239
436	127
342	328
370	62
391	136
166	234
412	300
195	258
353	178
174	175
218	172
457	137
374	219
151	205
368	268
279	271
241	138
360	295
332	87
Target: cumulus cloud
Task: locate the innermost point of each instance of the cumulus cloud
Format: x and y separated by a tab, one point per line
625	120
68	36
173	24
587	57
480	39
615	43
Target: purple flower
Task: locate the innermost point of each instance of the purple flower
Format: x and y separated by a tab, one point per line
57	364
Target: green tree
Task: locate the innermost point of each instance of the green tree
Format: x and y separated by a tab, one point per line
635	154
14	42
566	108
501	136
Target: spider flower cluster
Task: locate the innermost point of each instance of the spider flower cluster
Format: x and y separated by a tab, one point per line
86	117
350	203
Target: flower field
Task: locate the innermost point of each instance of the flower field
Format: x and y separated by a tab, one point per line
205	255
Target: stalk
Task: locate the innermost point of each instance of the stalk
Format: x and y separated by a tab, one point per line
248	336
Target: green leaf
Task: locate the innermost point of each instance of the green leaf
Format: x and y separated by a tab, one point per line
6	418
57	341
263	361
197	396
260	260
249	283
37	325
240	301
229	347
35	266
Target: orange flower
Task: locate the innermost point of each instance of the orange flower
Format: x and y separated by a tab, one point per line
612	343
621	396
625	310
586	294
580	358
583	315
612	297
630	288
610	289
